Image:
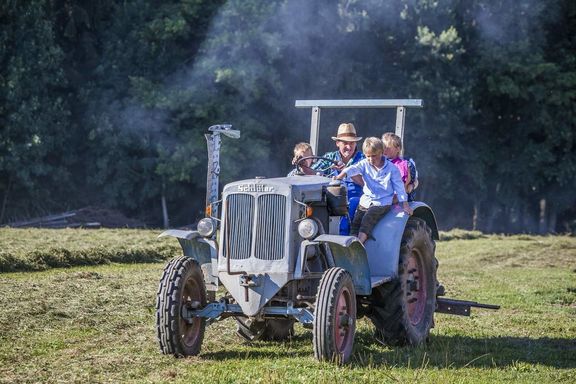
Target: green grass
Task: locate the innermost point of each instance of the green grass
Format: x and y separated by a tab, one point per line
41	249
96	323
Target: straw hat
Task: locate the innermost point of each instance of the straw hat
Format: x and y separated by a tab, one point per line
346	132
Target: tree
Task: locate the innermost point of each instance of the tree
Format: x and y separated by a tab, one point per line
34	114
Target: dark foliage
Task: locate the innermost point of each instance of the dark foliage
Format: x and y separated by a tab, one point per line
106	103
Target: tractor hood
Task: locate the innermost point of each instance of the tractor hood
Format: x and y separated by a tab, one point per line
303	188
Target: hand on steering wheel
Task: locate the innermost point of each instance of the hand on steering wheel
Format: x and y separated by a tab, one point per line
301	167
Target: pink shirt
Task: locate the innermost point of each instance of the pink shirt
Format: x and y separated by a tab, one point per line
402	165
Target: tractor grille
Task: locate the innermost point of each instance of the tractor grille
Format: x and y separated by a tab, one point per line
239	217
269	233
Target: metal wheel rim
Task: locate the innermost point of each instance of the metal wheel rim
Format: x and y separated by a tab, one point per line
190	331
342	324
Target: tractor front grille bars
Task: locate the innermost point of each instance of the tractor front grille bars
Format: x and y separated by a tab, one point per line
239	218
270	227
255	229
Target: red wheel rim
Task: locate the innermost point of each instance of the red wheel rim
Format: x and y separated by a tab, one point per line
190	296
343	326
416	288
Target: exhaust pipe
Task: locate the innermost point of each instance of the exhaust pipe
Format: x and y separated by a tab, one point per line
213	141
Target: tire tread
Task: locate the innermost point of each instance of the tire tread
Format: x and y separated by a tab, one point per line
168	306
388	313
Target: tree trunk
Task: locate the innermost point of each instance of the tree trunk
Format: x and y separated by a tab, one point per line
5	199
542	222
165	219
475	216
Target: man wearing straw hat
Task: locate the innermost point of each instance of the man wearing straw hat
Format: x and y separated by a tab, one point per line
345	156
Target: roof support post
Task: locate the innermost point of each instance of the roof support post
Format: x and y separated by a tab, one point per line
400	118
315	129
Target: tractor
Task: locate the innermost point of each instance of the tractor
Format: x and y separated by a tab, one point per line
274	245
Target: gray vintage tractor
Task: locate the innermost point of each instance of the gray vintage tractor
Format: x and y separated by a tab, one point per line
276	250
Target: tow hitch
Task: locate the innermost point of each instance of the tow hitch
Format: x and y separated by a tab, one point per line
459	307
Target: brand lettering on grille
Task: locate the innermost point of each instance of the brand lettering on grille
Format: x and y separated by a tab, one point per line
255	188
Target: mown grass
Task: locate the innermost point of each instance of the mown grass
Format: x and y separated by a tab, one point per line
96	324
41	249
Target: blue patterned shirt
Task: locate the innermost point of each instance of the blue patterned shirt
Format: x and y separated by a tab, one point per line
354	190
323	164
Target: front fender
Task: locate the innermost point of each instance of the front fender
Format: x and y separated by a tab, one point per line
201	249
349	254
384	249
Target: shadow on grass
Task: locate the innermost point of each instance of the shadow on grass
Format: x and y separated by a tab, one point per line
441	352
462	352
297	346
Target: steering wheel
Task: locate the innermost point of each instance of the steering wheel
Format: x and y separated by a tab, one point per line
300	166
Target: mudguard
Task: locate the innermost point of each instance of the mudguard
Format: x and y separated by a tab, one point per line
348	253
201	249
383	249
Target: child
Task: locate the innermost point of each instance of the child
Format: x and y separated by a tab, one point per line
407	168
302	150
381	181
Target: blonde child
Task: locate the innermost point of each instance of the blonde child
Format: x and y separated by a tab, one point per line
382	180
392	150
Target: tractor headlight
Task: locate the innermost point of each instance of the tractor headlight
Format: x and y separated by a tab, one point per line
206	227
308	228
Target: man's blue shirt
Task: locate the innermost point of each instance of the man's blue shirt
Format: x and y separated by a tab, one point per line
354	190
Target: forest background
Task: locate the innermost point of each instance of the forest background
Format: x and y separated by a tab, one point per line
106	103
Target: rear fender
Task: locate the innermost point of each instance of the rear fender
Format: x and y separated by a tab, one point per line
384	249
201	249
348	253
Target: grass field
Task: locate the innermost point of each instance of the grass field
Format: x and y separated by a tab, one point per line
95	323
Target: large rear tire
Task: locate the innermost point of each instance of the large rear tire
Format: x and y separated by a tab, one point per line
182	286
334	323
403	310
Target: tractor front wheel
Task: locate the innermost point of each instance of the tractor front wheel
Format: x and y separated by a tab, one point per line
334	317
181	287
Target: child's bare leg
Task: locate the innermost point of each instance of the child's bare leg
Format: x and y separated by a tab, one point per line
362	237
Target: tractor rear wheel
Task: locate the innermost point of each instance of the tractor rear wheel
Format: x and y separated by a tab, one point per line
181	287
334	317
403	310
267	330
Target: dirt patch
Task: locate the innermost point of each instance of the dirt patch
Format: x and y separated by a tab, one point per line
106	217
